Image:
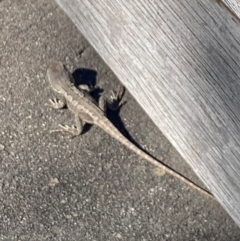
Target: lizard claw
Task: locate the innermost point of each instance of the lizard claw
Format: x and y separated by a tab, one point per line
65	128
56	104
116	98
70	129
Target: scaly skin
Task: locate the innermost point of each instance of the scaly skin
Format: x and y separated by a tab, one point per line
86	109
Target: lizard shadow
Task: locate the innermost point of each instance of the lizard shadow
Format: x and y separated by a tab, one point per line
85	76
88	77
114	117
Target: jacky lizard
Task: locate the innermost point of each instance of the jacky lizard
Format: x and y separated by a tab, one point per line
86	109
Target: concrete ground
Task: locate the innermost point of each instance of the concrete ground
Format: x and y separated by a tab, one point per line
89	187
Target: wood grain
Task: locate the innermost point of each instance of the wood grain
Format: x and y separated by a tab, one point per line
234	6
181	61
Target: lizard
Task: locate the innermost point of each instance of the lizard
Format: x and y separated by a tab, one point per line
87	110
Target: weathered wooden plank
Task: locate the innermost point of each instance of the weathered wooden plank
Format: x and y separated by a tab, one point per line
181	61
234	6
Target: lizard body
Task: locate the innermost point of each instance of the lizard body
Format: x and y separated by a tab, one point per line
86	109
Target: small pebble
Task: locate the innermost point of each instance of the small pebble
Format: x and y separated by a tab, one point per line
1	147
53	182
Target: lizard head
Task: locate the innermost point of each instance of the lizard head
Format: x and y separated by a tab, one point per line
58	76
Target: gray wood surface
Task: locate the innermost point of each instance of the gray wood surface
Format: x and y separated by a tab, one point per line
234	6
181	61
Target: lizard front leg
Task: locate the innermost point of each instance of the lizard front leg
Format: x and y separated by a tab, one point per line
74	130
115	101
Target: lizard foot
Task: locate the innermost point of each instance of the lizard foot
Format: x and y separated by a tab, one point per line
70	129
65	128
56	104
116	100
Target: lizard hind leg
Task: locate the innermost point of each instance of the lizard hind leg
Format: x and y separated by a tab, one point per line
57	103
73	130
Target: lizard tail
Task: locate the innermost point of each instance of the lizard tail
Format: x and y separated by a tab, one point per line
108	127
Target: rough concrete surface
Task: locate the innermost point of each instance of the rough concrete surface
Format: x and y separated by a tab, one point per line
89	187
